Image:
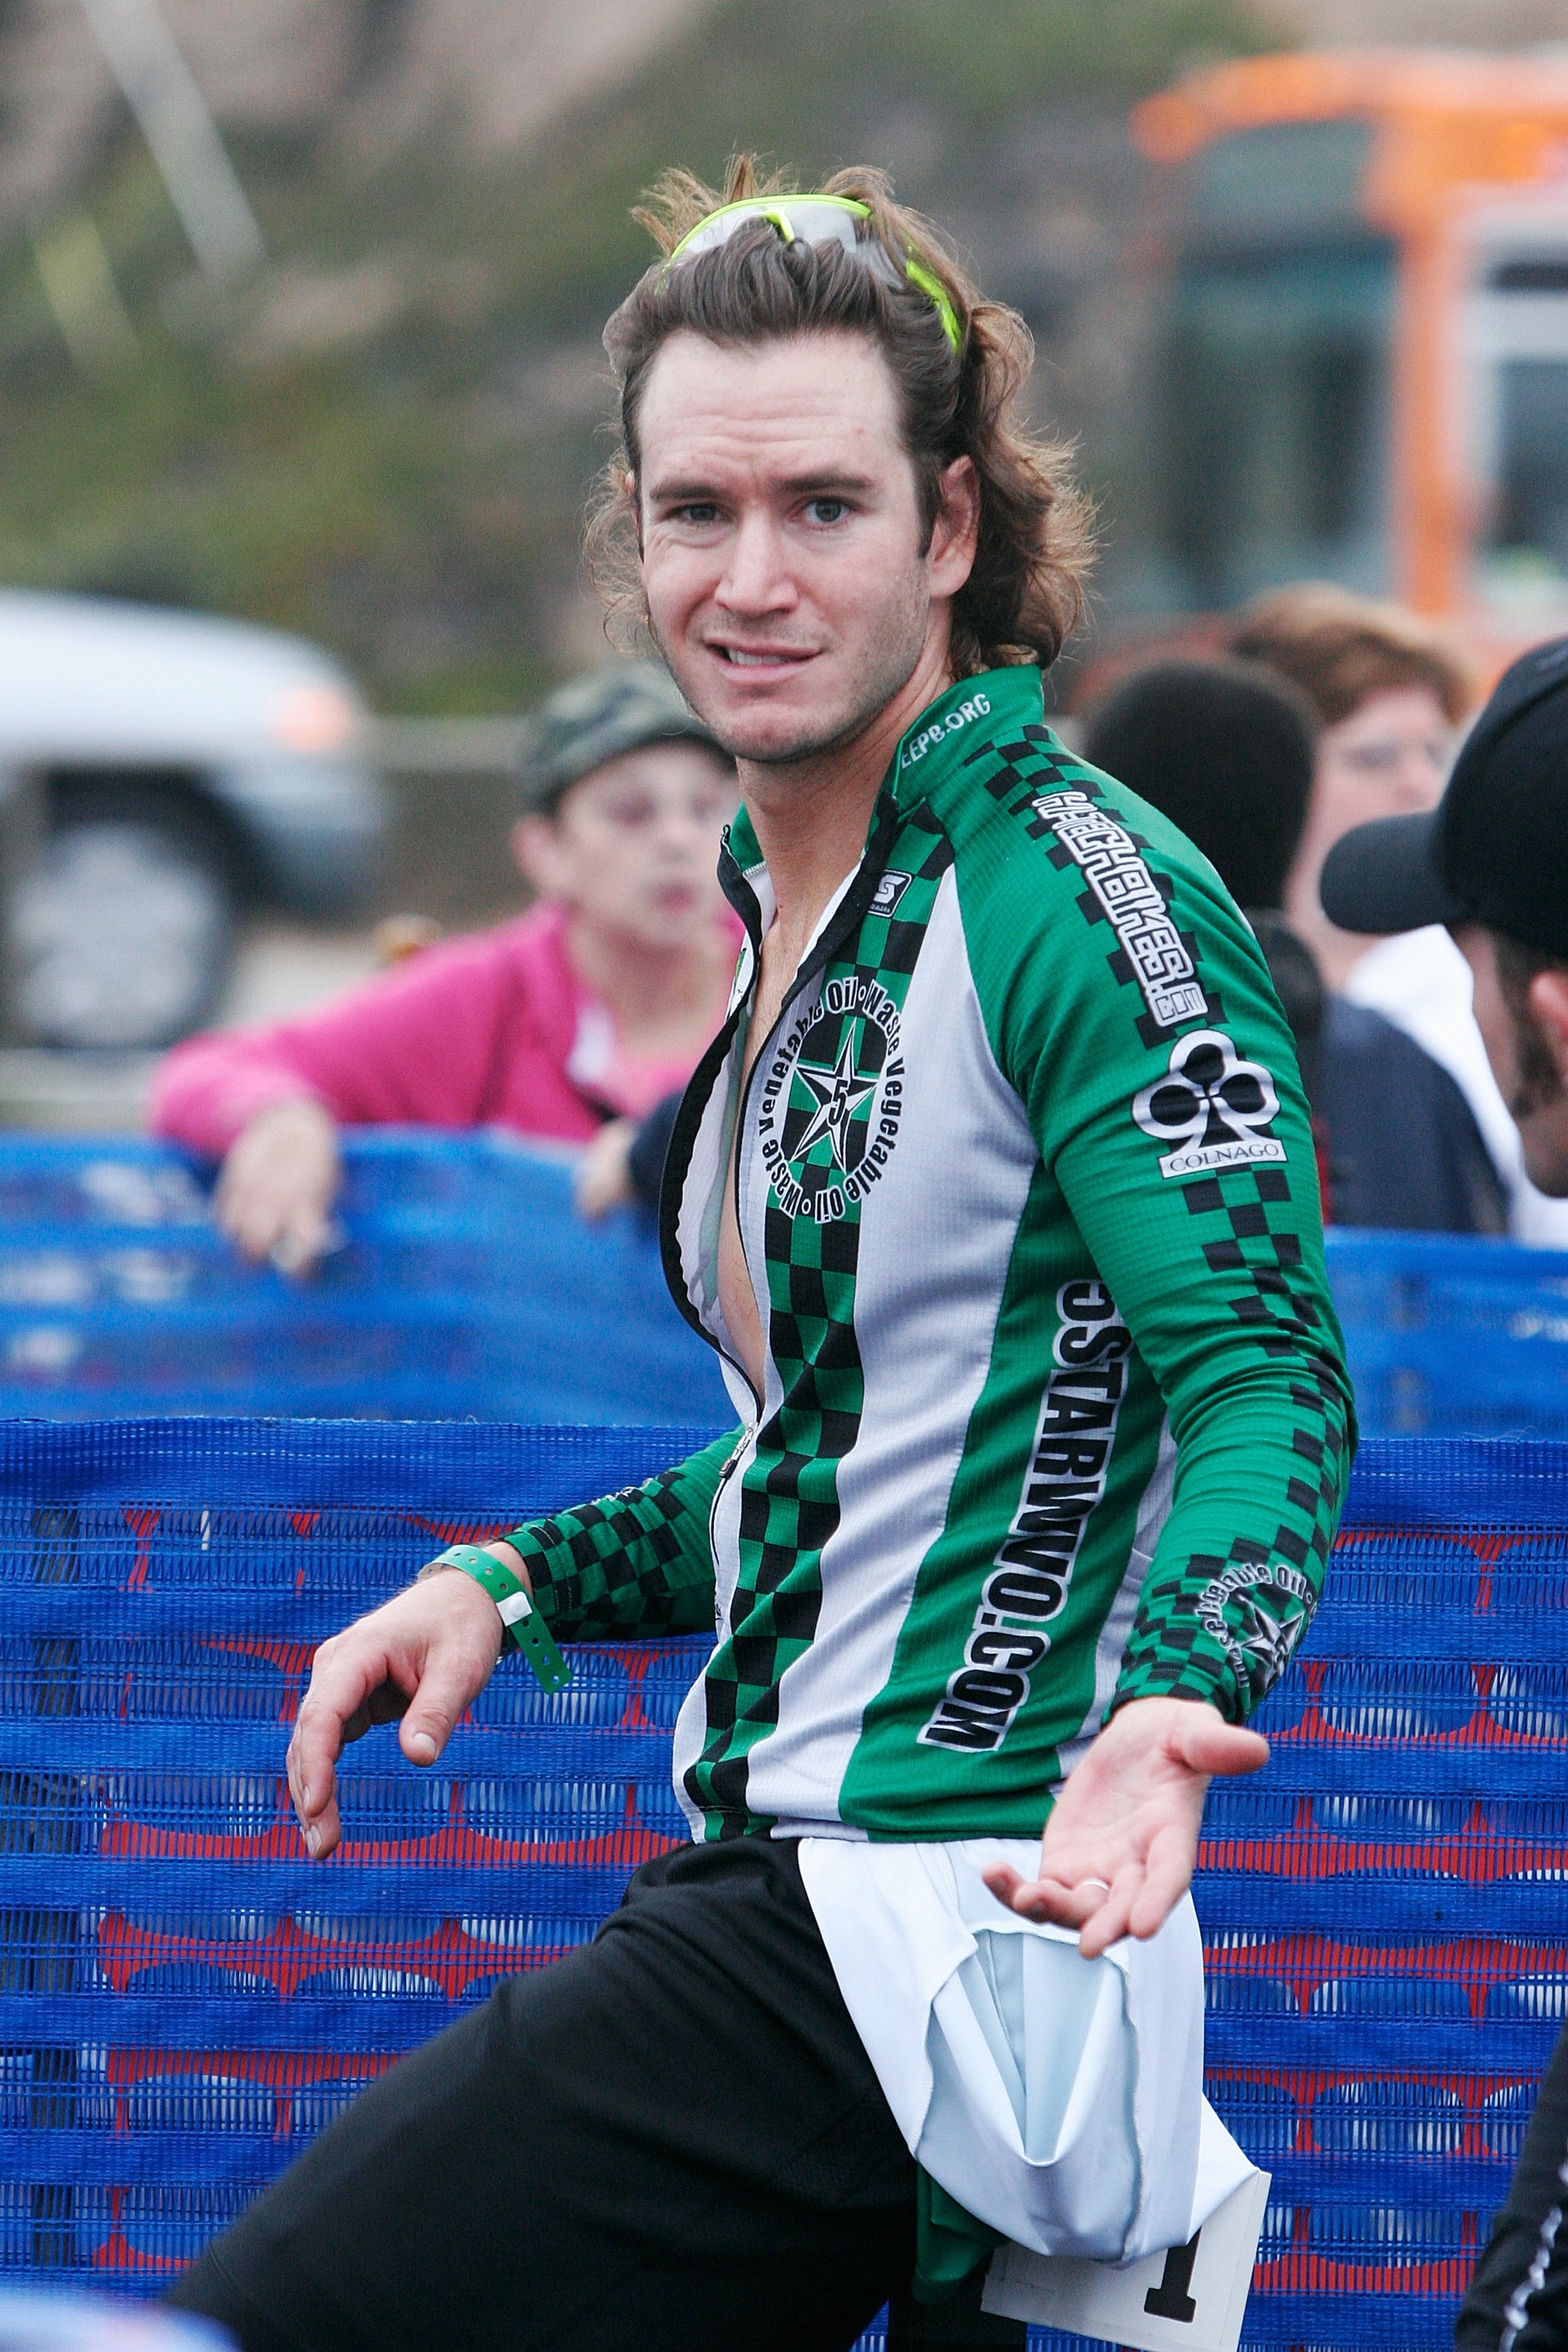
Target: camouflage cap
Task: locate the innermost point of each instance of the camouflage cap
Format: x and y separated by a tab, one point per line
596	718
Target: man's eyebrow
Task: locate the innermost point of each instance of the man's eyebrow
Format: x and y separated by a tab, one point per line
797	485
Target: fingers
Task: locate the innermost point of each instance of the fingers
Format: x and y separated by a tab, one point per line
1112	1918
277	1184
1062	1903
250	1220
312	1790
445	1689
1165	1878
1207	1744
274	1216
1137	1902
424	1656
350	1673
305	1234
1048	1898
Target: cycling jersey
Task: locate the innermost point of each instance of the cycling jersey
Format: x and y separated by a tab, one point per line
1056	1410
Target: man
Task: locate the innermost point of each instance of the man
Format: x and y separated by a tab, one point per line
570	1023
996	1194
1492	863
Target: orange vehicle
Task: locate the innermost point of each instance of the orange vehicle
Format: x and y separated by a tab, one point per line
1361	364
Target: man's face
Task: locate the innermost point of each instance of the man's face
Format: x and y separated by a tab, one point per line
1529	1055
780	537
634	848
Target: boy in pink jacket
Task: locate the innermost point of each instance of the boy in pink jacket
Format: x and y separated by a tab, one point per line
589	1009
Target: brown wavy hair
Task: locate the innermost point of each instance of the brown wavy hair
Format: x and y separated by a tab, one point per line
1024	594
1341	649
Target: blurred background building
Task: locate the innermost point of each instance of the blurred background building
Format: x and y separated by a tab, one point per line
300	309
380	432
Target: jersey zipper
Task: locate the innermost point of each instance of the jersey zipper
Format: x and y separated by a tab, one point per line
728	1472
849	916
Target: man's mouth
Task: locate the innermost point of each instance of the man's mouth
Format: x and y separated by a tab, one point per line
762	658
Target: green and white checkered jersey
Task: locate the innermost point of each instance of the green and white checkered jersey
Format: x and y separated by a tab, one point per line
1056	1410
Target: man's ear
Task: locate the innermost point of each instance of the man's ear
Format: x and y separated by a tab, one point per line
629	489
956	534
1547	997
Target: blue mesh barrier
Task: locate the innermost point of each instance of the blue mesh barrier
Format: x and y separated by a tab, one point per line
466	1285
1451	1337
185	1999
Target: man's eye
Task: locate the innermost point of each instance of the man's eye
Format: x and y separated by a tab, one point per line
700	514
828	509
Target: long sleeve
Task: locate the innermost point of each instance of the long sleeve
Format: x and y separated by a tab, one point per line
471	1030
639	1561
1186	1162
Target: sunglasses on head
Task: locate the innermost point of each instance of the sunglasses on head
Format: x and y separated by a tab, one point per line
822	220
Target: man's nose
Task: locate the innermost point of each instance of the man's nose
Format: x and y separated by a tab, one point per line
756	578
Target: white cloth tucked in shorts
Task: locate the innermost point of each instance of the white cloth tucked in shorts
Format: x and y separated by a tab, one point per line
1057	2099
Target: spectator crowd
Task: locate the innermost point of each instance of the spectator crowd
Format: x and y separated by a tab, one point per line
579	1022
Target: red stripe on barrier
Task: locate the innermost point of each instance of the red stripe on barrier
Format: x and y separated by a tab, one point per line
1304	2270
451	1958
1475	1856
1304	2086
118	2253
626	1847
142	1522
1481	1729
285	2073
1304	1964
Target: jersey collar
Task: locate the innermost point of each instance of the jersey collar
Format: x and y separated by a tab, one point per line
978	711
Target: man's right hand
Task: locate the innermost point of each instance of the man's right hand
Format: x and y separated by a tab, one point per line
425	1656
278	1181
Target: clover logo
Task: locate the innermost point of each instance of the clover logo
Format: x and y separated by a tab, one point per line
1211	1105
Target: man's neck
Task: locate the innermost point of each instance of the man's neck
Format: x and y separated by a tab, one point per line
811	817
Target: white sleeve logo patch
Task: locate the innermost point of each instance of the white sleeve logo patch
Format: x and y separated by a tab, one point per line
1210	1106
888	891
1121	880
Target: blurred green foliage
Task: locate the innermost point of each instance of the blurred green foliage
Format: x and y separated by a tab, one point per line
386	440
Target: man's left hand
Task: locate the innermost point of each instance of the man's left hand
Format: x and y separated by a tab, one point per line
1119	1849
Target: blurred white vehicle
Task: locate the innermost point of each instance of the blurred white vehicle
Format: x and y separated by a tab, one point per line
161	770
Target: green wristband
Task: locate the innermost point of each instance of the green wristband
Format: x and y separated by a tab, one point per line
525	1628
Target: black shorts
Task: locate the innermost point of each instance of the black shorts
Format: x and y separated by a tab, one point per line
673	2139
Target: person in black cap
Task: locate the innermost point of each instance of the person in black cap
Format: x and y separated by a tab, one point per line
1226	749
582	1013
1491	862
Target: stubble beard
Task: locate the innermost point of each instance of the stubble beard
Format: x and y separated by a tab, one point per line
890	663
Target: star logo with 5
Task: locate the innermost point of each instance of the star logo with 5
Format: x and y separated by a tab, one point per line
832	1100
1211	1107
